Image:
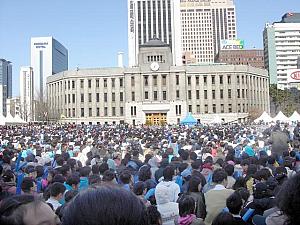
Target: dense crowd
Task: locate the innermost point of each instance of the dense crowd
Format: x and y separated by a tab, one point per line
139	175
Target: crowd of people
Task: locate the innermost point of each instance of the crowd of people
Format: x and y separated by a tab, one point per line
140	175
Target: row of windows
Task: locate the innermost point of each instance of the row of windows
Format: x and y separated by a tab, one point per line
241	108
72	98
71	112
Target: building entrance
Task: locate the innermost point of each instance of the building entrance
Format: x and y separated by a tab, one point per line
156	118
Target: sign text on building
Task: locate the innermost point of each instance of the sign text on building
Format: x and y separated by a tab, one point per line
232	44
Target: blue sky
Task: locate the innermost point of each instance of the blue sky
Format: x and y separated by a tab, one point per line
95	30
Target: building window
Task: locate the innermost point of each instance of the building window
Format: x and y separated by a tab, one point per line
197	80
121	82
230	108
69	98
90	111
164	95
178	109
105	83
221	79
190	108
155	95
132	82
205	80
90	97
164	80
121	111
198	108
229	93
81	83
89	83
132	96
82	98
113	82
121	97
73	98
213	94
97	97
197	94
97	83
228	79
82	112
177	79
155	80
242	79
238	93
97	111
214	108
146	95
113	97
113	111
189	80
243	93
73	112
69	86
133	110
146	80
206	108
105	97
221	94
222	108
190	94
205	94
213	80
105	111
238	79
73	84
239	108
177	94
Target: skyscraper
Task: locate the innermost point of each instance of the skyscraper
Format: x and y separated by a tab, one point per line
26	93
204	23
48	57
282	47
5	84
149	19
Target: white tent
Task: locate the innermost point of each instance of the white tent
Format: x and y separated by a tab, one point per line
281	117
9	119
2	119
295	117
217	120
18	119
265	117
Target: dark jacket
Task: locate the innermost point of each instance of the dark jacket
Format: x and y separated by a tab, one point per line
200	204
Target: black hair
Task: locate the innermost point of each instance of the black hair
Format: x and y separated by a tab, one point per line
194	184
27	184
56	189
125	177
69	195
196	164
184	155
94	179
229	169
271	160
262	174
72	163
59	160
244	193
219	176
154	215
108	176
95	169
168	173
85	171
139	188
193	156
29	169
39	171
103	167
224	218
288	200
234	203
186	205
118	207
144	173
73	179
8	176
245	162
182	167
58	178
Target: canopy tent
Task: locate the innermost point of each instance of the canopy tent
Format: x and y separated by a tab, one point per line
265	117
189	120
295	117
18	119
9	119
2	119
217	120
281	117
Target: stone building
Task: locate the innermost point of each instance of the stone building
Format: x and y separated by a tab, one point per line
155	92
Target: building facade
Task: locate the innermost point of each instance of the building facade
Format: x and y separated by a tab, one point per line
148	19
26	93
282	47
13	106
48	57
156	92
204	23
5	84
251	57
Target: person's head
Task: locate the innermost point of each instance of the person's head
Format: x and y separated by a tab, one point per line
139	188
108	176
186	205
8	176
224	218
60	160
39	171
196	183
58	178
103	167
262	174
73	181
245	163
244	193
30	171
234	203
57	190
69	195
288	200
196	165
261	190
229	169
144	173
95	169
154	215
26	210
94	180
125	177
220	177
121	207
85	171
28	185
168	173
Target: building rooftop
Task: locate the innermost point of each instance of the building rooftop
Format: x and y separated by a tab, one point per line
290	18
155	42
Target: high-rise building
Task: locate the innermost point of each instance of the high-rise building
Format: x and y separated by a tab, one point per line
48	57
204	23
149	19
282	47
26	93
5	84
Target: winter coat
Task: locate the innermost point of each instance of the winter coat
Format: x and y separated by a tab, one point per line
200	204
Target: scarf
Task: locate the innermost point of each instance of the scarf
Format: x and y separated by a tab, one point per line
187	220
